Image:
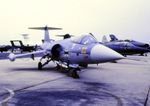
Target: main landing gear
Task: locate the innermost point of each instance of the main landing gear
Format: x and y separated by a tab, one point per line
40	66
72	72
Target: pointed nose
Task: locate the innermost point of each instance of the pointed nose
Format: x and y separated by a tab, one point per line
100	53
141	49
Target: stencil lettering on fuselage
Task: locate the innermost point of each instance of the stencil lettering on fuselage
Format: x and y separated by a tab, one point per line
83	50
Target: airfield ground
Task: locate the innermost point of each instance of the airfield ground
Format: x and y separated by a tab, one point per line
124	83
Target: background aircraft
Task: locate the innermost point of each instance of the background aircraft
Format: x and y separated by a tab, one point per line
136	43
17	45
22	48
71	52
5	48
124	47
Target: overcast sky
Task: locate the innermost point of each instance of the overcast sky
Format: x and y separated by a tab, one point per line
125	18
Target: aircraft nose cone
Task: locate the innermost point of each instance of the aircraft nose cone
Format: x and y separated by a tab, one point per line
100	53
144	50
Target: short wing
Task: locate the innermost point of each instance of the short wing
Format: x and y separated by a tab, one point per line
12	56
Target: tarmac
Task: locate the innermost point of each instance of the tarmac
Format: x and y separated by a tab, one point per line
124	83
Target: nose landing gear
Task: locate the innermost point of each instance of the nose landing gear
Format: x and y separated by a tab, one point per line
40	65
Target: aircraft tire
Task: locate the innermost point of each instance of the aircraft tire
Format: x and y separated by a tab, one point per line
74	74
39	66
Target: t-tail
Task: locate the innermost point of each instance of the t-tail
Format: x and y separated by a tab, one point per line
113	37
46	32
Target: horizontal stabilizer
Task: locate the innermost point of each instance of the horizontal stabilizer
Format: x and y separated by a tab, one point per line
65	36
45	28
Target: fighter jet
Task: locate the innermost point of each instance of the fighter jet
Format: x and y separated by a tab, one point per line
125	47
5	48
71	53
136	43
22	48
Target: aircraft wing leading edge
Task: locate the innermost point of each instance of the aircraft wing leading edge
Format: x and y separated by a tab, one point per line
12	56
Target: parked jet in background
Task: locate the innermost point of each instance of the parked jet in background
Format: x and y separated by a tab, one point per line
72	52
19	47
22	48
5	48
124	47
136	43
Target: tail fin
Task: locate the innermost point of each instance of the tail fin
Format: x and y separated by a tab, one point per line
12	43
113	37
104	39
21	43
46	35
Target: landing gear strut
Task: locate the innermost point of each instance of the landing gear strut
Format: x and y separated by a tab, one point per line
40	65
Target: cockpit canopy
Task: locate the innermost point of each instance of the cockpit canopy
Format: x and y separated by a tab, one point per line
85	39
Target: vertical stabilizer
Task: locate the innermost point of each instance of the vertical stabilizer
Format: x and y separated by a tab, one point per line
104	39
46	34
113	37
